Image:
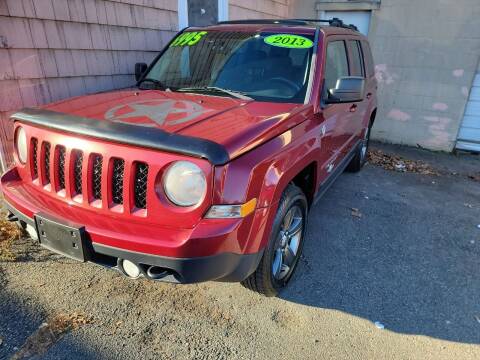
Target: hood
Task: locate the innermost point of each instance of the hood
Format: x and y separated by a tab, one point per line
236	124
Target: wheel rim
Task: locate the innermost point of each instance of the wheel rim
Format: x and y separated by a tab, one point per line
366	139
288	243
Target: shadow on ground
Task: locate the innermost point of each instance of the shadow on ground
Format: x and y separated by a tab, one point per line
19	318
411	261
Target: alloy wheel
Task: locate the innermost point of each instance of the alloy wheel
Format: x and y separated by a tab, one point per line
288	243
364	150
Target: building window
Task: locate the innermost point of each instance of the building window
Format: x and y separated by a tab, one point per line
201	12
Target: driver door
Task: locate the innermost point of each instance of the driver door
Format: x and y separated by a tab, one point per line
339	125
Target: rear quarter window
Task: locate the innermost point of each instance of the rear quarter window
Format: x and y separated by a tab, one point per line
367	54
356	58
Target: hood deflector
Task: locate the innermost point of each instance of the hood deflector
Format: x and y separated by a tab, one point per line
148	137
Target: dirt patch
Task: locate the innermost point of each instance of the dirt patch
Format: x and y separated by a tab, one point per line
356	213
474	177
398	163
49	333
9	233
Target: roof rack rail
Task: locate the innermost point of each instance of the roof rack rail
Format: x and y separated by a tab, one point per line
332	22
265	21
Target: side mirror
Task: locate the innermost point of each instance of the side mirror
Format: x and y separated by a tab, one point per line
140	68
348	89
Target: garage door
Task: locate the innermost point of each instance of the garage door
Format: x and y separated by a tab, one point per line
361	19
469	135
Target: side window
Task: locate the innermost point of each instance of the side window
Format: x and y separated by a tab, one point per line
369	64
336	63
356	60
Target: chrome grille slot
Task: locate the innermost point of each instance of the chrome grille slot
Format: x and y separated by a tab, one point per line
118	170
46	167
140	185
34	158
97	176
61	167
77	172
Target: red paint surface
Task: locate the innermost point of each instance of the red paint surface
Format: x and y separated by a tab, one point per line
269	144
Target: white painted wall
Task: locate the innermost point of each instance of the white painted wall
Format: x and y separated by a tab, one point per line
361	19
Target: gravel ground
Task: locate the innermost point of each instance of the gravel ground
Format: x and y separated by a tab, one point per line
408	259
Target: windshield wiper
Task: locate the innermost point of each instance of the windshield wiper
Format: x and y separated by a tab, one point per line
158	83
233	93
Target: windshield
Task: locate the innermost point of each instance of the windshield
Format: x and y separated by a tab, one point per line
263	66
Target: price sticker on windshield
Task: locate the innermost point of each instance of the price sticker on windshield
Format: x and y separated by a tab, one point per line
189	38
289	41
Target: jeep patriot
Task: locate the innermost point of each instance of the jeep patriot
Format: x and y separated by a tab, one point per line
206	169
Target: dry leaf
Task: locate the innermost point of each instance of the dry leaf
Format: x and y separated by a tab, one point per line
397	163
49	333
356	213
9	232
474	177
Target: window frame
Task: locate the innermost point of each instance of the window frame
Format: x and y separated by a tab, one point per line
369	62
351	44
332	39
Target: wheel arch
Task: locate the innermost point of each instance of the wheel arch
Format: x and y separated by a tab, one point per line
373	115
306	180
303	175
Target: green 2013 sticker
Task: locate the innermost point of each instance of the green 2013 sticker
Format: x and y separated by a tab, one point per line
189	38
289	41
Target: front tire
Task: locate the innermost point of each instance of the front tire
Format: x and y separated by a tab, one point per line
284	248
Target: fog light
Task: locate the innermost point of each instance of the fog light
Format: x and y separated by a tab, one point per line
131	269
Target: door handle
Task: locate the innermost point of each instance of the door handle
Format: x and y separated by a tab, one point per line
353	108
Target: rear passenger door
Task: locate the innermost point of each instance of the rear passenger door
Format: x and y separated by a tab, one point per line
357	68
371	80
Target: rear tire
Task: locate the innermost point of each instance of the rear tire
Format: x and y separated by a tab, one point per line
360	157
284	248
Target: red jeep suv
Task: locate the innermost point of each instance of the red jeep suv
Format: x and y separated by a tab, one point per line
206	169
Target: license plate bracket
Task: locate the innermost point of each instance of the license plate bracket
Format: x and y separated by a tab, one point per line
66	239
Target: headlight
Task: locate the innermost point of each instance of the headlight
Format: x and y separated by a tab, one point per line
21	144
185	184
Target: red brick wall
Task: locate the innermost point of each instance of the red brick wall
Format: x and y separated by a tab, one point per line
55	49
255	9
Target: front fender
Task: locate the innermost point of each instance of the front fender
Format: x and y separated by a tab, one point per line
265	172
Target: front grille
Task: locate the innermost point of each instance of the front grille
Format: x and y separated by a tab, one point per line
140	186
97	177
34	158
46	149
117	181
61	168
77	172
126	183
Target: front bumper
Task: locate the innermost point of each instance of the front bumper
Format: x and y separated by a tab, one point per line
223	249
222	267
